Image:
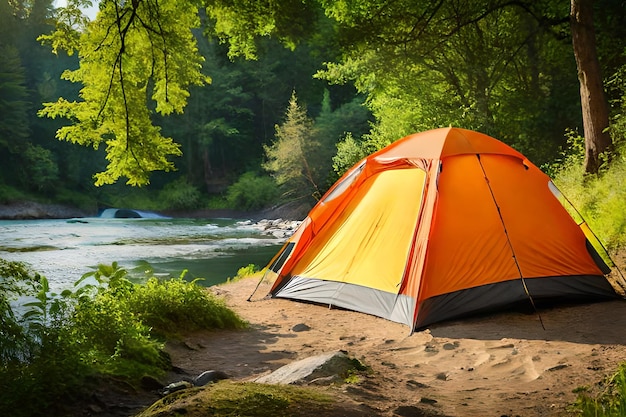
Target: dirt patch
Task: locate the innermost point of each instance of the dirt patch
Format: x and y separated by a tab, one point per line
504	364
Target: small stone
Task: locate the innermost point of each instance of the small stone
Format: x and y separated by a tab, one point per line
207	377
176	386
301	327
425	400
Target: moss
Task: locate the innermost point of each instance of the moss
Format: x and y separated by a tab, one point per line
244	399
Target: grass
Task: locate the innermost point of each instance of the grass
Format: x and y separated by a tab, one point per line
608	401
599	198
245	399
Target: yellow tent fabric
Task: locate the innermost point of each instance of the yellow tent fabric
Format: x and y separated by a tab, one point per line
439	225
368	244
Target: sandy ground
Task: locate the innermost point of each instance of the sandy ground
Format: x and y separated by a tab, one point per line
504	364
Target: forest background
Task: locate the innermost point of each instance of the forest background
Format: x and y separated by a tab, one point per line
245	105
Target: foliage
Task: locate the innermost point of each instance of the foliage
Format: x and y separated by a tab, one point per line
252	192
71	198
617	86
244	272
40	363
15	280
13	106
349	152
600	202
503	68
331	128
174	306
145	198
40	170
611	401
241	23
180	194
288	158
497	69
132	51
106	326
9	193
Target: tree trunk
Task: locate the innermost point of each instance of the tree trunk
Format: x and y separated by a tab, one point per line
593	102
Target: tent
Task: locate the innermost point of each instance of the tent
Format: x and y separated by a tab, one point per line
440	225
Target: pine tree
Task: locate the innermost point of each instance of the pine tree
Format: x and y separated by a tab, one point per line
289	157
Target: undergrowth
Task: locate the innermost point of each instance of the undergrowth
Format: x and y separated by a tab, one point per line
53	344
609	402
600	198
247	271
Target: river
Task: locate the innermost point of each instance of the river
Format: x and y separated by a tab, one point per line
64	250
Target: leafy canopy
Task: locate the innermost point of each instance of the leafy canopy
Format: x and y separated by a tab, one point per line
136	58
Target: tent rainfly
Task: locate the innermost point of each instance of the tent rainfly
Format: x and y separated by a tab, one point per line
440	225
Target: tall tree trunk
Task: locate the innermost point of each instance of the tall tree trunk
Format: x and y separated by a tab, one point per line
594	106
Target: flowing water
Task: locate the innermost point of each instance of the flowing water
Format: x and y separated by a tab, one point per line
64	250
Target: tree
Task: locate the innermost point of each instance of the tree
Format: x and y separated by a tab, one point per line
14	128
288	158
595	109
136	58
14	104
497	66
334	129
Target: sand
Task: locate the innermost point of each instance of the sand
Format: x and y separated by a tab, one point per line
503	364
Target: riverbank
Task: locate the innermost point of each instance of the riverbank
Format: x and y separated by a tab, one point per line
30	210
503	364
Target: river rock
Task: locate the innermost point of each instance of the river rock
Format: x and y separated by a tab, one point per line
300	327
208	377
176	386
278	228
325	367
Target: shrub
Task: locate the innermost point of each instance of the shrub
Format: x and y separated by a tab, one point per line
41	169
601	203
180	194
244	272
105	328
252	192
9	193
175	305
611	401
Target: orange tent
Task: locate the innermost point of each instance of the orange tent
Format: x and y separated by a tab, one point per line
439	225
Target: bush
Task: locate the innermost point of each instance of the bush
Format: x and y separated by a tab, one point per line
611	401
601	203
41	362
41	170
244	272
252	192
176	305
107	328
180	194
8	194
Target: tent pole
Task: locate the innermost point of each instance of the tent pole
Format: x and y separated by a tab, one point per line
258	285
508	240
